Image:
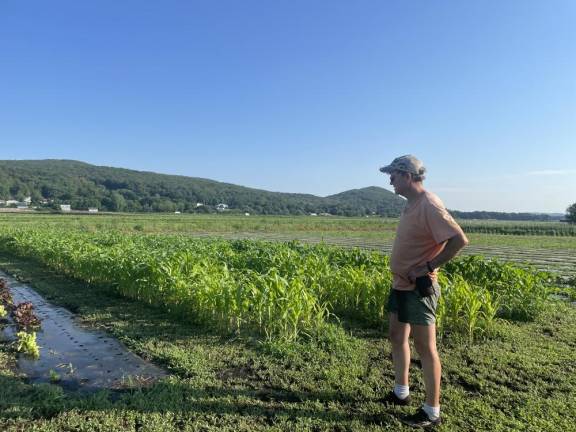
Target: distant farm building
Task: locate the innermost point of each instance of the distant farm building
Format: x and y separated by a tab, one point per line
222	207
65	207
92	210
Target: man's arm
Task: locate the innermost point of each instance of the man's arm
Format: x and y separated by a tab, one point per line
453	246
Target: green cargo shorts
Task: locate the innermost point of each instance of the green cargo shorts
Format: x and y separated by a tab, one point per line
413	309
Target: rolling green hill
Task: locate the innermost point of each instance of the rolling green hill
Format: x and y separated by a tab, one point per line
53	182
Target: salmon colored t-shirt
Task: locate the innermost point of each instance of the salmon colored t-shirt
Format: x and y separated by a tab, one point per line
424	226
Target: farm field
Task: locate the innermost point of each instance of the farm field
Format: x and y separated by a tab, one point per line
281	335
542	252
523	243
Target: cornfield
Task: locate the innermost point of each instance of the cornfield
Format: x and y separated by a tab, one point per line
279	290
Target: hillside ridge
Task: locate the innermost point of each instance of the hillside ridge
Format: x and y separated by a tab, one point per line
51	182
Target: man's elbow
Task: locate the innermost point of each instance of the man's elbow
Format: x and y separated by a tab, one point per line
463	240
458	242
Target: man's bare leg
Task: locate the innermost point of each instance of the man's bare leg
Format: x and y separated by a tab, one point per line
399	333
425	344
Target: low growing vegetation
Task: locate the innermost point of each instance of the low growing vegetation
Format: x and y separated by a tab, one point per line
281	336
27	344
522	377
280	290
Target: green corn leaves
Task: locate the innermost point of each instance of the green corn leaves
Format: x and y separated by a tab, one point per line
280	290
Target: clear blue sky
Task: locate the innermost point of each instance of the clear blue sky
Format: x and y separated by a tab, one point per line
301	95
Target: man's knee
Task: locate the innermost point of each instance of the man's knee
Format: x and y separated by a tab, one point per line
425	341
426	349
398	332
397	337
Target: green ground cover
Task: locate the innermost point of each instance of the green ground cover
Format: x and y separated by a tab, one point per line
232	222
524	242
521	378
519	375
281	289
211	223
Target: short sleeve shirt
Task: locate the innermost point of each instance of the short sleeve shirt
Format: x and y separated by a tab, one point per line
423	228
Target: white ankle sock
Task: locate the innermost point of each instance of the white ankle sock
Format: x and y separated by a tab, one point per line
433	412
402	391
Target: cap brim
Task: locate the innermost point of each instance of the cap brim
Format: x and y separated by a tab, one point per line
386	169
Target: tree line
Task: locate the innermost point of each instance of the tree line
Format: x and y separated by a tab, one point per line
50	183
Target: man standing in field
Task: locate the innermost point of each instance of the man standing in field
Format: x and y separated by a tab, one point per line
426	238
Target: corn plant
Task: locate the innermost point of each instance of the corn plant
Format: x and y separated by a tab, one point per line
466	309
280	290
522	292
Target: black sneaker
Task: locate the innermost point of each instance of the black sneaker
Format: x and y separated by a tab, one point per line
392	399
421	419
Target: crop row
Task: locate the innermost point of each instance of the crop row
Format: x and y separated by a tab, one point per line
559	261
518	228
281	290
25	320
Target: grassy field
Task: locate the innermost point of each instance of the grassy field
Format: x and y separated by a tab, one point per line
519	376
523	378
524	234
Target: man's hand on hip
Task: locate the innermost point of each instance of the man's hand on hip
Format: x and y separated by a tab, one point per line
417	272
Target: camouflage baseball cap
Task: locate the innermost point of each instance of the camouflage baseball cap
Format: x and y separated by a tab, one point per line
407	163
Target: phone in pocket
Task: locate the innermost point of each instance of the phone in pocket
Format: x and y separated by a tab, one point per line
424	286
